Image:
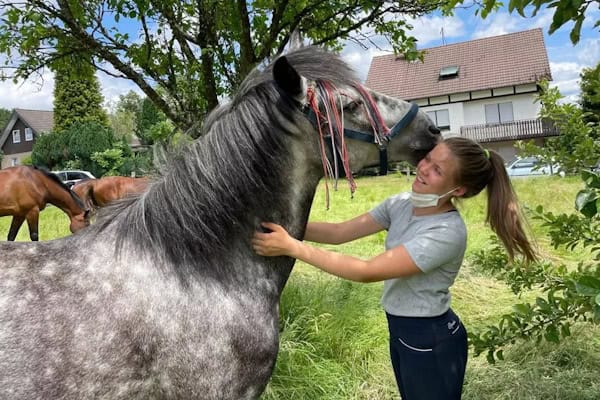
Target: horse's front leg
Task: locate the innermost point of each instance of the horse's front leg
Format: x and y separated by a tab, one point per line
15	224
32	223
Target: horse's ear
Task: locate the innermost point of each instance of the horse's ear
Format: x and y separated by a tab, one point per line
295	41
288	78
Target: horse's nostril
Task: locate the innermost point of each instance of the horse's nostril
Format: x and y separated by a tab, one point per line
434	129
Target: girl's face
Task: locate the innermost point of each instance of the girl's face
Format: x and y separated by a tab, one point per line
436	172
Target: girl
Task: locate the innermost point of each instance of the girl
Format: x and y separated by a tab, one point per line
425	247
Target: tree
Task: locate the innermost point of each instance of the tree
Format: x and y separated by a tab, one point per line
564	11
50	150
88	138
147	116
77	97
4	118
590	94
123	119
577	146
73	147
194	51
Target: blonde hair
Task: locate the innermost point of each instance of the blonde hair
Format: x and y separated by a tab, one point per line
479	168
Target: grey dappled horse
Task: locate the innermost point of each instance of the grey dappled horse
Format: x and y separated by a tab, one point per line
164	298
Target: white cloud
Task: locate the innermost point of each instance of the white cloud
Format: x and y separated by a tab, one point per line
113	87
360	59
426	30
429	29
566	77
498	24
589	52
38	94
32	94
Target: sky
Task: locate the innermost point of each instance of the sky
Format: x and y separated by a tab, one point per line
566	60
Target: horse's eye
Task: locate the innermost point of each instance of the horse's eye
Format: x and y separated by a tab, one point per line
353	105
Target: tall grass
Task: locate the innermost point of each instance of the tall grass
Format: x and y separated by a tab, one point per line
334	341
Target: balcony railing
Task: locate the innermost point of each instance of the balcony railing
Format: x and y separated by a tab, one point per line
514	130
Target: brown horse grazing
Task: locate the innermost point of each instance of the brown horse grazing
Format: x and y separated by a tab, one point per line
97	193
25	191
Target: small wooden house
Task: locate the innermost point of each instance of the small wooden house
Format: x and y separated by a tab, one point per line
20	133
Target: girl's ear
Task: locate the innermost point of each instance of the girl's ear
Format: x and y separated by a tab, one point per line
459	191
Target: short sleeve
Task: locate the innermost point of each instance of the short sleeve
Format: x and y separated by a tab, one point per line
381	213
436	246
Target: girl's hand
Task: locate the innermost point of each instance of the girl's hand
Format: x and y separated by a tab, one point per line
275	243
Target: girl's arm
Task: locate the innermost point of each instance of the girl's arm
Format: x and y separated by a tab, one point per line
342	232
393	263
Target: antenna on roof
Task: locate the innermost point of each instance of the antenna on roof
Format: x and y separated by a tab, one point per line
443	38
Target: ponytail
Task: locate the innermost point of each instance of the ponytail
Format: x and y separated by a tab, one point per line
479	168
504	213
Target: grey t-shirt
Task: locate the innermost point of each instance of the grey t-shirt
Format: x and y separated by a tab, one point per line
437	245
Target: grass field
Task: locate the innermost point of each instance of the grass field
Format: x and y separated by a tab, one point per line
334	336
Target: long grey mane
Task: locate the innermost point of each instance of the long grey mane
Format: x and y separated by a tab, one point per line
201	206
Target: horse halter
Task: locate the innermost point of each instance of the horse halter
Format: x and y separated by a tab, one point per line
381	133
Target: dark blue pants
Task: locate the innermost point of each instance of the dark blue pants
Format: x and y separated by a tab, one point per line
429	356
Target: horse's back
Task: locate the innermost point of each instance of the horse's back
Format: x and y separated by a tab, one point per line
94	326
108	189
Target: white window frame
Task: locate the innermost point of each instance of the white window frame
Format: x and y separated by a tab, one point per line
16	136
433	114
28	134
499	113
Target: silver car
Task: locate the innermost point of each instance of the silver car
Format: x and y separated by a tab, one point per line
71	177
530	166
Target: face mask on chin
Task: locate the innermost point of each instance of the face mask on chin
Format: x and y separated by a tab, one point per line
422	200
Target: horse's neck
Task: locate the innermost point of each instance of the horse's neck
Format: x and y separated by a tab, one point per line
62	199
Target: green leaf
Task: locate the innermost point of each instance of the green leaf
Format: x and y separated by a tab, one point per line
551	334
585	202
598	299
522	309
591	179
588	286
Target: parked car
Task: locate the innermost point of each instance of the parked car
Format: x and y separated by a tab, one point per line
531	166
71	177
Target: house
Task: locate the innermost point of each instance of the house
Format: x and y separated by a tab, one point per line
20	133
483	89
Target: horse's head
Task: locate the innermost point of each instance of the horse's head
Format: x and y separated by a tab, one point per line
80	221
82	217
363	123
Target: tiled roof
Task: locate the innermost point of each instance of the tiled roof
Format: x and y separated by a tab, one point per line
38	120
493	62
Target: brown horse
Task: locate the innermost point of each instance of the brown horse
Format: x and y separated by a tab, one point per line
25	191
97	193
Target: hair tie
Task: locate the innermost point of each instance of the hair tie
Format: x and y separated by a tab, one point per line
486	152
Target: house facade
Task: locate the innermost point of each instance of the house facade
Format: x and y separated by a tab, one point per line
484	89
19	135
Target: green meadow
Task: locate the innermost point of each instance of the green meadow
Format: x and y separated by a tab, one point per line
334	341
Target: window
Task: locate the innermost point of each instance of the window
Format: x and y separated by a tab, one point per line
76	175
16	136
14	162
498	113
448	72
441	118
28	135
